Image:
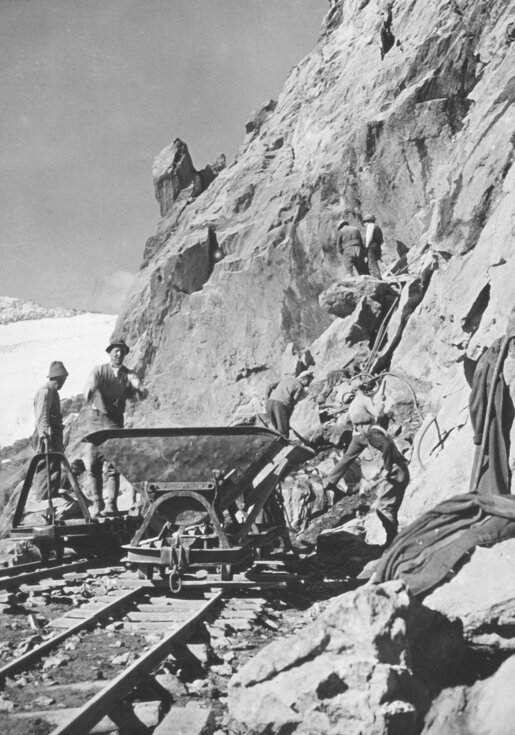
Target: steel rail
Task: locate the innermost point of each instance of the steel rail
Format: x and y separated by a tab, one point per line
103	702
20	663
10	571
48	571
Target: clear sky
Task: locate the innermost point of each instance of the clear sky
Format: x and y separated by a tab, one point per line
90	92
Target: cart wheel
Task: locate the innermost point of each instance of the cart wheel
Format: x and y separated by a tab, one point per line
145	571
226	573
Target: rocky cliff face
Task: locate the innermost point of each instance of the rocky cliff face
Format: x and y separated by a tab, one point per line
422	138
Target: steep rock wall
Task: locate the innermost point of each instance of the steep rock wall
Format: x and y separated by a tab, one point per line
424	139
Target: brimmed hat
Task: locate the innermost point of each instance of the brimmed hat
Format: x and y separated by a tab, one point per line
57	370
306	374
369	218
118	343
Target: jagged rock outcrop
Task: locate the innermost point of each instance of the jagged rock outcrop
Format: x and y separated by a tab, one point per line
174	174
370	663
418	137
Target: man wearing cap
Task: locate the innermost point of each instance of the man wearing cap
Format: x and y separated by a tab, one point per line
48	435
107	390
373	241
350	245
283	398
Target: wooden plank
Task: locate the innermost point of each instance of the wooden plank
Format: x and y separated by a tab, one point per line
172	600
143	607
146	715
237	584
170	616
239	614
103	702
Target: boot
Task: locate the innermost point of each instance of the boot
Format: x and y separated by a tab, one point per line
95	493
96	508
112	487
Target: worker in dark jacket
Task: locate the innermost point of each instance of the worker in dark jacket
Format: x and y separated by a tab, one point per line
350	245
373	241
48	434
106	392
283	398
393	481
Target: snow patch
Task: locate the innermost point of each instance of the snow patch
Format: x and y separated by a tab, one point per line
26	350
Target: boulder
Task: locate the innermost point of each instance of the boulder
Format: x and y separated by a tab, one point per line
303	497
482	595
487	708
370	663
342	298
305	420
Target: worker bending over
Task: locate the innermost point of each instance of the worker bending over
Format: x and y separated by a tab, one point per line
363	414
284	397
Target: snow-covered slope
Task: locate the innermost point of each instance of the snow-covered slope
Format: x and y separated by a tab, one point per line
26	350
16	310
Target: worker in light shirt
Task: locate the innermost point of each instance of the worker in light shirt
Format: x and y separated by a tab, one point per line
364	414
106	392
373	242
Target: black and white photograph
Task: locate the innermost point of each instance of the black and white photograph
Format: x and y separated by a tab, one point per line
257	367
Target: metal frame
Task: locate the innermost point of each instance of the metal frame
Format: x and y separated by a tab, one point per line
27	484
99	437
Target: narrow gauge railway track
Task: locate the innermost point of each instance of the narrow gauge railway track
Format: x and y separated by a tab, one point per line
119	688
173	620
139	607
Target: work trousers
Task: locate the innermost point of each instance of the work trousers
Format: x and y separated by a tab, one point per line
40	480
373	256
94	461
279	416
354	260
389	498
356	447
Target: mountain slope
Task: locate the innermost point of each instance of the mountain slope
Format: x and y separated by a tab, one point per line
423	138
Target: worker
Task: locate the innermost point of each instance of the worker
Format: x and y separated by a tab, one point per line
364	414
106	392
373	241
48	434
284	397
305	360
350	245
393	481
